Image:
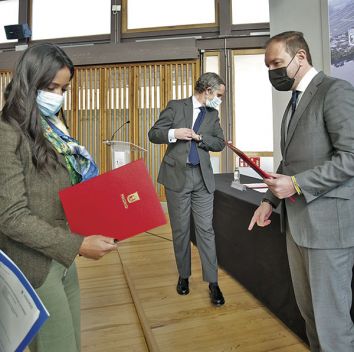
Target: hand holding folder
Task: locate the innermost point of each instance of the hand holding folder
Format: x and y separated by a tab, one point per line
249	161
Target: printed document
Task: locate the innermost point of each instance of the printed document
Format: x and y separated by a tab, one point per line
21	311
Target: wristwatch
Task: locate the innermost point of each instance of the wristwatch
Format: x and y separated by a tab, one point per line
265	200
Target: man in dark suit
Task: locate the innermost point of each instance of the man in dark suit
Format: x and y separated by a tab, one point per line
317	169
191	129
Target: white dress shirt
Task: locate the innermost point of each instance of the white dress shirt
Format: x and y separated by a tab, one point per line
196	111
301	87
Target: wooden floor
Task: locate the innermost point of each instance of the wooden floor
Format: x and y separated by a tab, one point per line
148	314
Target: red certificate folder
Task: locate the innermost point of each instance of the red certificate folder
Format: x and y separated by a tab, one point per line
119	204
248	160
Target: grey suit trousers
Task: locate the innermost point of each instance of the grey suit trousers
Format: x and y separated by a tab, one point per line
322	284
193	199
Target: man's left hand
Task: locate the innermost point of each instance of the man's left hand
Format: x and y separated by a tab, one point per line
195	136
280	185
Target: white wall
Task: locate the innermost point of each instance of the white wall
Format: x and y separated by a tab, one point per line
311	18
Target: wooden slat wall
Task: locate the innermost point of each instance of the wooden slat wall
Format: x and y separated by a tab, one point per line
5	78
157	84
85	112
115	85
108	96
101	98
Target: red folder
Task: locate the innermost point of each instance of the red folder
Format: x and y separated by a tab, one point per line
119	204
254	166
248	160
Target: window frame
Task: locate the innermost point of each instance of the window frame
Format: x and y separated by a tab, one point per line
202	26
249	25
235	52
8	45
74	39
118	36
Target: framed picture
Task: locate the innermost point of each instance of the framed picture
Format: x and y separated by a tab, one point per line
341	32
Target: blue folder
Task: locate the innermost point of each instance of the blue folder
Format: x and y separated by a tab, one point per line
43	313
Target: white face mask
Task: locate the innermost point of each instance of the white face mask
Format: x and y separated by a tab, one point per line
213	103
49	103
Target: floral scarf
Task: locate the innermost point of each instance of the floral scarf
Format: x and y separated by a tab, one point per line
78	160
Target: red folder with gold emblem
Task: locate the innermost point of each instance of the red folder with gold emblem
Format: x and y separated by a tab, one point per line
120	203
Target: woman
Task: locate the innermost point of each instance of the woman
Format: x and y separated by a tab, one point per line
38	158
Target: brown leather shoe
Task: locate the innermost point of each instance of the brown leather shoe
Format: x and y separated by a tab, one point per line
216	296
182	286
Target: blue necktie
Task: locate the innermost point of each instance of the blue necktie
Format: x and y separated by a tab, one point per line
294	97
193	156
293	101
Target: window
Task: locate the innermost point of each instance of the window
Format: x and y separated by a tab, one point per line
8	15
67	18
250	11
253	119
140	14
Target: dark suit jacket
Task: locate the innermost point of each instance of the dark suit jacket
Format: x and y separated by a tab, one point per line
319	151
179	114
33	229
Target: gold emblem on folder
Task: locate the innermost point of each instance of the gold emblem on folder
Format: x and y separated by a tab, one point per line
134	197
124	201
131	198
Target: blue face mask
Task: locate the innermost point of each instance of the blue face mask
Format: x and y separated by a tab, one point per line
213	103
49	103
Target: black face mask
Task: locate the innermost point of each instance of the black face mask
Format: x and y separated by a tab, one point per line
279	77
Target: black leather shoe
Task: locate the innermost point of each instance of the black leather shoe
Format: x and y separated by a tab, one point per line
216	296
182	286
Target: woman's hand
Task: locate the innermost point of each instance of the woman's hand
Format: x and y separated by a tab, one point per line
96	246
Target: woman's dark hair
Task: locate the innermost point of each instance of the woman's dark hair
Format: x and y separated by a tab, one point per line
35	71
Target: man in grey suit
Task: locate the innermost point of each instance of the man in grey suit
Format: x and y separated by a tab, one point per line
317	169
191	129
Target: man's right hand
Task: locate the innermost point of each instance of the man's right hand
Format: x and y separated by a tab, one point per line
96	246
183	133
261	216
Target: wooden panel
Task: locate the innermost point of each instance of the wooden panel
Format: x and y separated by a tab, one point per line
5	78
109	322
101	98
83	108
157	84
108	317
108	96
110	53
